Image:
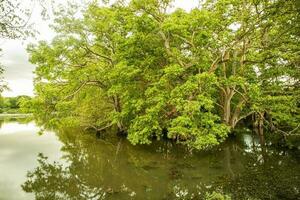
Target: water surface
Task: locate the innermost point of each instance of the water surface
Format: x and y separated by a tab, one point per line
72	164
19	147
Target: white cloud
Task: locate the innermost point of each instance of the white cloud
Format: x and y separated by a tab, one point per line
19	87
186	4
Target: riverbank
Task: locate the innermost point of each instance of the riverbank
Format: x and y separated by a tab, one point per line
17	115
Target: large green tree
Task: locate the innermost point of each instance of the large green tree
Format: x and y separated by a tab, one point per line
191	76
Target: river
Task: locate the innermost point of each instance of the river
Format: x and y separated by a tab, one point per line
73	164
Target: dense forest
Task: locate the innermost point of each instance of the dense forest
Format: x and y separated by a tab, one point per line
148	71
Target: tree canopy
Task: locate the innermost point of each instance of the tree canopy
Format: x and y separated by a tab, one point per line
148	72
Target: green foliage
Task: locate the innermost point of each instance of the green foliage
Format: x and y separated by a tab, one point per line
190	76
13	20
19	104
216	196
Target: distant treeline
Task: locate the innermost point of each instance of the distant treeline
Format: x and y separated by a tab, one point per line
14	105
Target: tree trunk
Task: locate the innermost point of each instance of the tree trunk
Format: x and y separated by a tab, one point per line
227	111
118	109
228	94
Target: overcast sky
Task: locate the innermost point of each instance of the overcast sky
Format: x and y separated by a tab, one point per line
18	71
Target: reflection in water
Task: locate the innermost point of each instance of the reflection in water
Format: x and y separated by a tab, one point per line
16	127
83	167
277	176
18	152
114	169
268	173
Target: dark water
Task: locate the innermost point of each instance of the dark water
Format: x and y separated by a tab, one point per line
72	164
